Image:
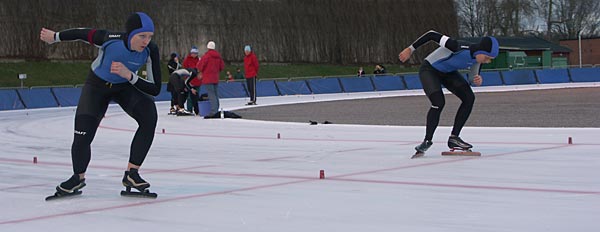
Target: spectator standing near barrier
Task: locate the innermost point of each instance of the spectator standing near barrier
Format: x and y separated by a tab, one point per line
113	77
441	68
238	74
228	76
251	69
361	72
190	61
379	69
172	66
210	65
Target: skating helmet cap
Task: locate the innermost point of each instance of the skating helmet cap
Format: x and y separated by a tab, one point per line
136	23
488	46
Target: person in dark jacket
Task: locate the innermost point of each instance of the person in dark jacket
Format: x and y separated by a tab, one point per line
172	66
210	65
178	80
113	78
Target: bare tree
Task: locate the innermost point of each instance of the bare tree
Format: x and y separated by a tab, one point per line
575	16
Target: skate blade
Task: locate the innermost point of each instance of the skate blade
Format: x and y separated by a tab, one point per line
418	154
461	153
63	195
145	194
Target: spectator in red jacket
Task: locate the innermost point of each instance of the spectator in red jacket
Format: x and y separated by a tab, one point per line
251	69
190	61
210	65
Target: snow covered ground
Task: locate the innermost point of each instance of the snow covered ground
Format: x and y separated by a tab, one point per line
239	175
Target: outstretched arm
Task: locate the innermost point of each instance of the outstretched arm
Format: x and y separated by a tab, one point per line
89	35
442	40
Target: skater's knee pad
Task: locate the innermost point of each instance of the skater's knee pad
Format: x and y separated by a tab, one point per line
437	100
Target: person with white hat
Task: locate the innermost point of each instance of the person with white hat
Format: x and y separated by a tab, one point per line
210	65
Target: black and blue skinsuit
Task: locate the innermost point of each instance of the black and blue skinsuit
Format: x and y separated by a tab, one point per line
101	86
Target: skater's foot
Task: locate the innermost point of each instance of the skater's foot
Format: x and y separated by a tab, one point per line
251	103
71	185
133	179
454	142
421	148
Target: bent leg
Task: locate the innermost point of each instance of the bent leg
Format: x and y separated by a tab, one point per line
143	110
90	110
430	79
461	88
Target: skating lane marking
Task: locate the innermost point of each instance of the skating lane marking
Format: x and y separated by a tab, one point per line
399	142
332	178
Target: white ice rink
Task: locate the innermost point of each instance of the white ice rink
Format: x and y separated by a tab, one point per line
236	175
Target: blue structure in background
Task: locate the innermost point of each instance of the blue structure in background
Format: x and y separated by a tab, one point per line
11	99
37	98
325	85
413	81
67	96
388	83
293	87
357	84
519	77
546	76
232	90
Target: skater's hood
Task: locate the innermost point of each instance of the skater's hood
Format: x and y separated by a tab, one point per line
136	23
487	46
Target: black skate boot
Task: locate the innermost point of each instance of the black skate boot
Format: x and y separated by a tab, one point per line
69	187
455	143
132	179
426	144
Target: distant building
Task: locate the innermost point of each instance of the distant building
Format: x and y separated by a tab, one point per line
530	51
590	50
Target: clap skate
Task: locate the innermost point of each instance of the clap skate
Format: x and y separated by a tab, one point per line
421	148
458	147
183	112
68	188
132	179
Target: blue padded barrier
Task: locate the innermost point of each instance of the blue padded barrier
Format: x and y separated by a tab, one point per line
490	78
357	84
67	96
266	88
552	75
37	98
232	90
585	74
413	81
203	90
386	83
9	100
518	77
325	85
164	95
293	87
